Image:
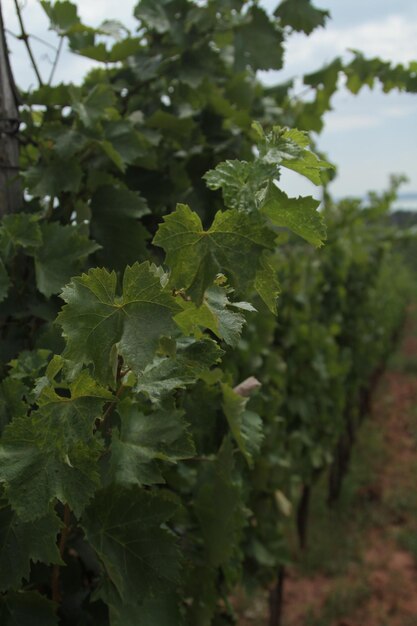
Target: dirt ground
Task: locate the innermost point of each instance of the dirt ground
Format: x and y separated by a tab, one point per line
361	565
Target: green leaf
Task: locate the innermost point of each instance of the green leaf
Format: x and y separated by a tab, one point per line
164	374
219	508
233	245
259	42
300	215
53	452
289	148
301	15
144	442
215	314
246	426
267	285
153	14
128	143
26	608
66	141
99	325
22	542
241	182
96	104
62	13
162	609
124	528
19	230
115	225
62	255
54	178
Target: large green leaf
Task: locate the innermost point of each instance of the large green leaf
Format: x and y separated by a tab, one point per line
217	314
301	15
124	528
100	325
19	230
153	14
22	542
62	14
166	373
95	105
300	214
290	148
144	442
26	608
241	181
234	244
52	179
258	42
62	255
53	453
115	225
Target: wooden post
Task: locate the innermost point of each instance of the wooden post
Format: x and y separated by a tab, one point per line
10	187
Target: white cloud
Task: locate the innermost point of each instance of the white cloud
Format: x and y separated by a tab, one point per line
392	38
336	122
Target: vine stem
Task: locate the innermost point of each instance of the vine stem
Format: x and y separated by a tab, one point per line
56	592
25	38
111	406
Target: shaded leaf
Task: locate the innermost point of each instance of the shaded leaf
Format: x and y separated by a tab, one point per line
62	255
124	528
53	454
26	608
99	325
146	440
22	542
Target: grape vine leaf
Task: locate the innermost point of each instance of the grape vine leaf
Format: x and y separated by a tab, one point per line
219	508
64	250
235	245
51	179
217	314
53	453
166	373
26	608
258	42
123	239
144	442
300	214
19	230
241	181
301	15
245	425
290	148
153	14
22	542
95	105
163	609
98	324
62	15
123	525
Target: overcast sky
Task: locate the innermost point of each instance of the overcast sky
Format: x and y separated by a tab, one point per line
368	136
